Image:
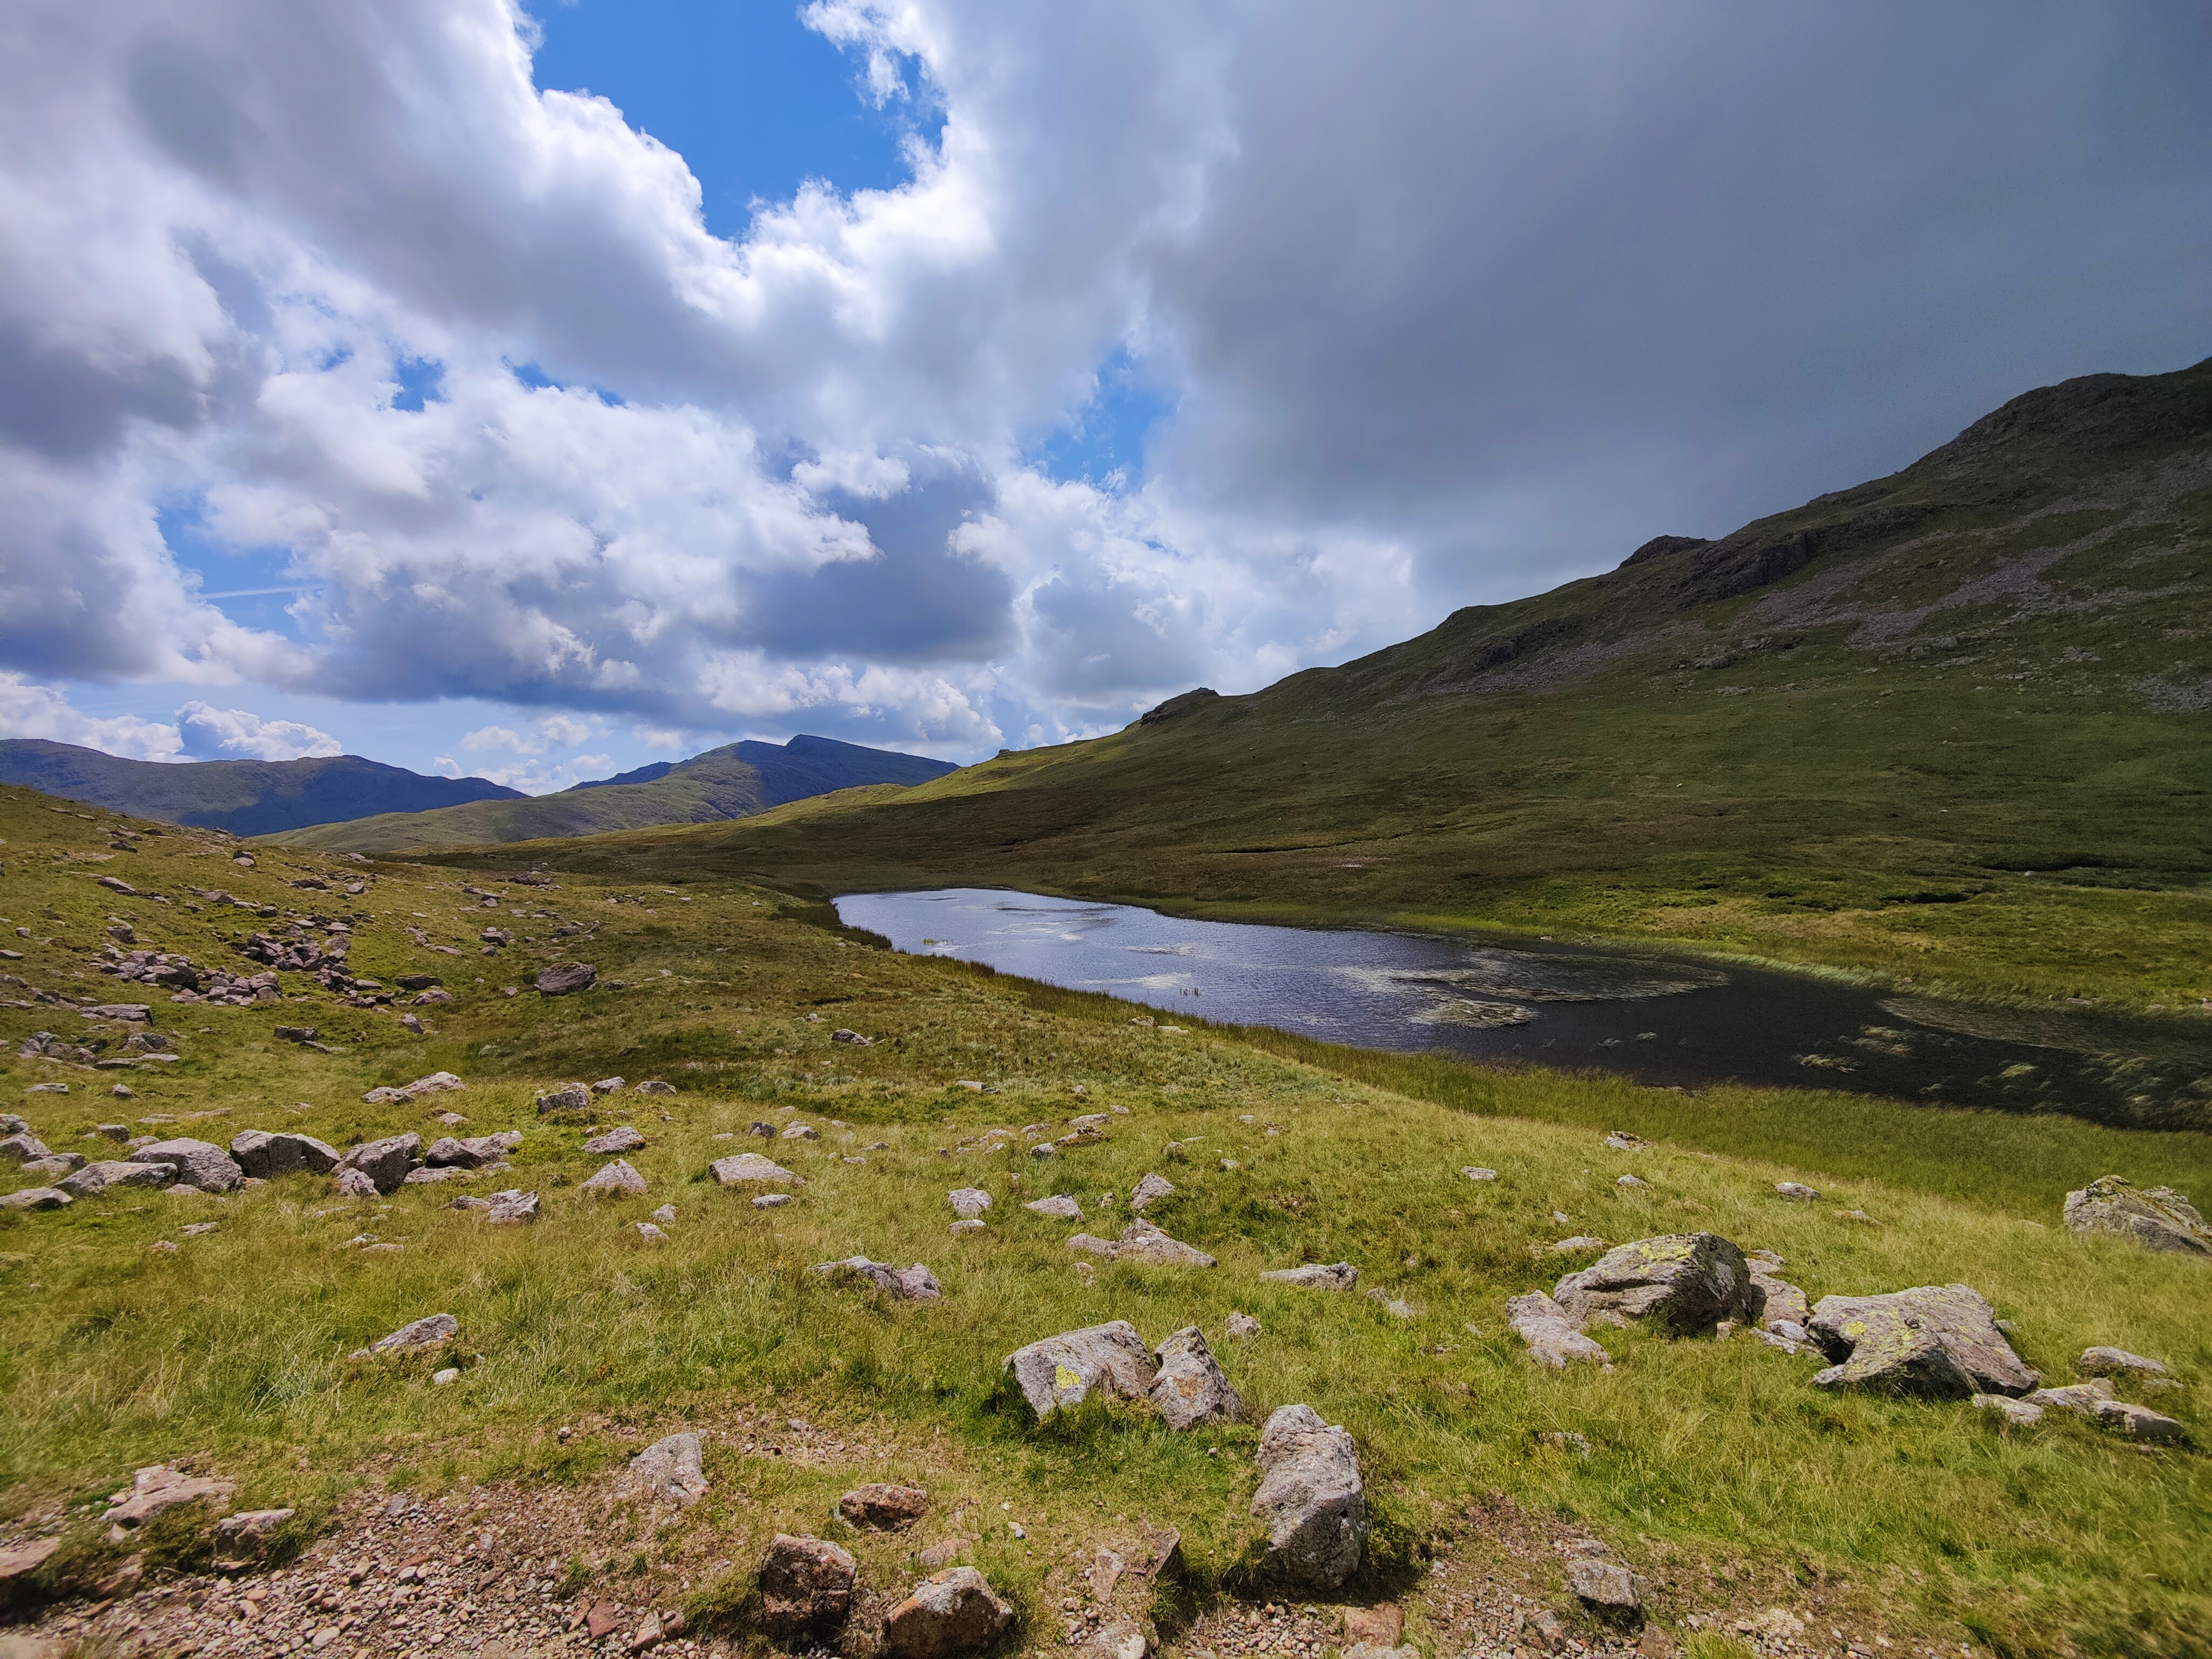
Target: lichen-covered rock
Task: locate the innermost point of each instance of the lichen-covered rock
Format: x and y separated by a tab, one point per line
267	1154
2157	1217
1311	1498
198	1165
948	1612
1772	1302
1554	1342
385	1162
1688	1282
1938	1339
1315	1276
1110	1361
666	1472
1191	1389
806	1590
417	1336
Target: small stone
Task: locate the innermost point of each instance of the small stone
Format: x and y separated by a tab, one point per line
650	1234
653	1086
971	1224
512	1208
2017	1413
608	1085
1631	1180
1605	1588
1474	1172
1339	1276
249	1531
1059	1206
745	1168
667	1471
96	1178
771	1201
445	1378
385	1162
159	1488
881	1507
614	1180
665	1215
417	1336
1150	1191
568	1097
1241	1325
841	1035
267	1154
914	1284
352	1183
2140	1423
796	1130
1552	1340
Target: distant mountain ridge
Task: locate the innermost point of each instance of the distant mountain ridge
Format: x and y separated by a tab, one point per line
733	781
246	797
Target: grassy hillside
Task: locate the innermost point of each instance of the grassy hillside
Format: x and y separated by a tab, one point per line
733	781
1713	1468
246	797
1950	725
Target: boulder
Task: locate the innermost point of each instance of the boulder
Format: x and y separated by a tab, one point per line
881	1507
2094	1362
1311	1498
623	1139
198	1165
565	979
1688	1282
1140	1241
1937	1339
609	1086
1339	1276
385	1162
1059	1206
1110	1360
1151	1190
2157	1217
96	1178
914	1284
568	1097
743	1168
352	1183
614	1180
653	1086
511	1209
267	1154
948	1612
968	1201
1605	1588
1772	1302
159	1488
1554	1342
53	1166
666	1472
36	1198
806	1590
2140	1423
24	1147
433	998
417	1336
1190	1390
248	1532
471	1152
2013	1413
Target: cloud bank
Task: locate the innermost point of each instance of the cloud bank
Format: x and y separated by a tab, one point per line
1443	307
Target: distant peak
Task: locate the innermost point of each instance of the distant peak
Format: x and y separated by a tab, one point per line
1660	546
1182	705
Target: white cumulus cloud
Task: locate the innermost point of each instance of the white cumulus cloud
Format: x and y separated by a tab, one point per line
43	711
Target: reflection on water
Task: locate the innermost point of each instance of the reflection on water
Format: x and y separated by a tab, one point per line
1661	1019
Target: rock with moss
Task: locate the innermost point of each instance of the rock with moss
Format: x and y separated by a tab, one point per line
2157	1217
1110	1361
1940	1339
1687	1282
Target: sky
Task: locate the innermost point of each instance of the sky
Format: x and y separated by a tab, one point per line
529	393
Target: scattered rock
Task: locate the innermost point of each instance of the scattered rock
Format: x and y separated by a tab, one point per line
948	1612
653	1086
667	1471
841	1035
354	1183
1938	1340
433	998
267	1154
2157	1217
249	1531
1576	1245
1110	1360
385	1162
806	1590
36	1198
1059	1206
1191	1389
650	1233
23	1147
2016	1413
417	1336
968	1201
969	1224
1554	1342
209	1168
614	1180
1774	1303
95	1178
1688	1282
1311	1498
1605	1588
2114	1362
665	1215
742	1169
565	979
609	1086
568	1097
159	1488
1632	1181
1241	1325
1797	1190
1621	1141
1140	1241
18	1562
53	1165
1337	1276
511	1209
1374	1627
1149	1191
1474	1172
942	1554
798	1130
2140	1423
473	1153
914	1284
777	1200
881	1507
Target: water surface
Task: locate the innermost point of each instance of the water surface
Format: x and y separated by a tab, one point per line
1660	1017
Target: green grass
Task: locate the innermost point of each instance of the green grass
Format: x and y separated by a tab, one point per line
1915	1517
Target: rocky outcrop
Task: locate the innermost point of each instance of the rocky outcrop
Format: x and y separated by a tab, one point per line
1311	1498
1687	1282
948	1612
2157	1217
1934	1340
1554	1342
1191	1389
1110	1361
266	1154
1336	1276
198	1165
666	1472
806	1591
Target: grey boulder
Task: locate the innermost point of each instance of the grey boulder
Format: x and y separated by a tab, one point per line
744	1169
1149	1190
266	1154
1108	1360
667	1472
352	1183
1311	1498
2157	1217
968	1201
623	1139
198	1165
1337	1276
614	1180
23	1147
472	1151
1605	1588
36	1198
1940	1339
948	1612
1552	1339
565	979
568	1097
2096	1362
417	1336
1191	1389
385	1162
914	1284
511	1209
1688	1282
1059	1207
96	1178
806	1590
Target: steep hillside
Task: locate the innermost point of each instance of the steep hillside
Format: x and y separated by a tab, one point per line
1951	723
247	798
733	781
